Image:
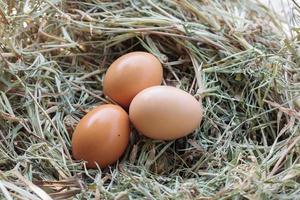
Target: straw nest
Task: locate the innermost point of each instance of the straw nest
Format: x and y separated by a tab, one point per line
235	55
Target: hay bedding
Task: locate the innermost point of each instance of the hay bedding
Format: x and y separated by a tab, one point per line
236	58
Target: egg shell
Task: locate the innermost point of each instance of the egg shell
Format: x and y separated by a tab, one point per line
101	136
130	74
165	113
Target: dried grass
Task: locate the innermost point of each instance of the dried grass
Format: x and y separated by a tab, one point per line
236	58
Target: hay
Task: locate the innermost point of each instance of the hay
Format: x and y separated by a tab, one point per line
238	59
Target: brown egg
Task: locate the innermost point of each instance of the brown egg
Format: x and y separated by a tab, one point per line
101	136
130	74
165	113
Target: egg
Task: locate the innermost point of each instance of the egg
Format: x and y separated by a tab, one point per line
101	136
130	74
165	113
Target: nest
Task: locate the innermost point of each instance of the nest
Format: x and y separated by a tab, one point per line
237	58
